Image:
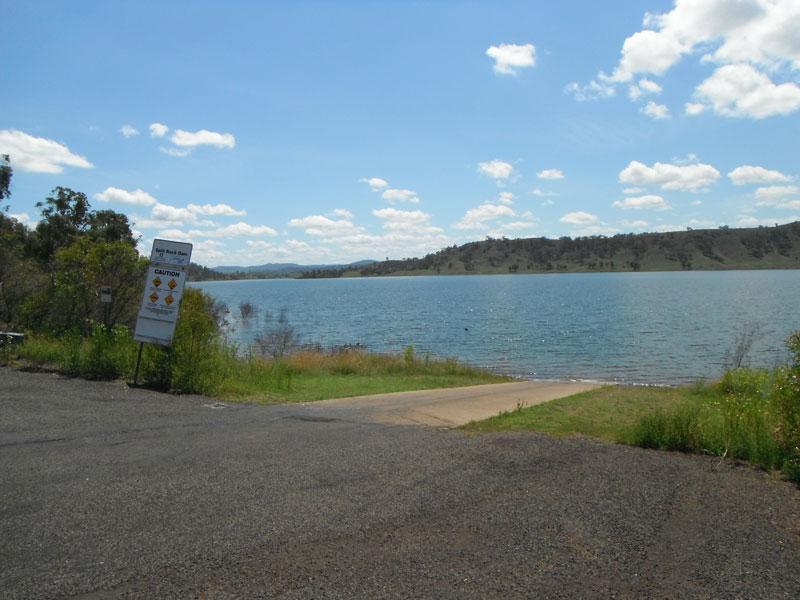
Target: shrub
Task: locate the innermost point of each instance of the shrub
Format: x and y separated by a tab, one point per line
750	414
197	359
40	351
743	381
408	357
677	430
107	353
70	360
278	339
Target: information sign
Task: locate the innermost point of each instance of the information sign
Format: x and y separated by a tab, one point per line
163	290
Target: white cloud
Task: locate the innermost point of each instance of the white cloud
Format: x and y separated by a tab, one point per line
689	178
593	90
202	138
750	221
547	202
38	155
410	221
205	251
550	174
289	250
753	174
656	111
342	212
396	195
742	91
128	131
594	230
172	214
633	190
23	218
496	169
643	88
782	196
215	210
240	229
506	198
752	33
134	198
518	226
324	227
158	130
635	224
578	218
375	183
478	217
509	58
694	108
175	151
649	201
542	193
174	234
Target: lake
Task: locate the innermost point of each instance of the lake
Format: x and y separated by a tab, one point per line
658	328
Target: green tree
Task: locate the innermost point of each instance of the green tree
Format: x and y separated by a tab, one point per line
110	226
5	177
71	301
20	276
65	216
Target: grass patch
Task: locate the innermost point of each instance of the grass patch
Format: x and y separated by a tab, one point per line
608	413
199	364
752	415
308	376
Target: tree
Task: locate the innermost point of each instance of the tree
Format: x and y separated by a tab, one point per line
20	277
67	215
5	177
110	226
71	300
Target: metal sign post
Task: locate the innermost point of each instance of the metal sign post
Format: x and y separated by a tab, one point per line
105	300
163	290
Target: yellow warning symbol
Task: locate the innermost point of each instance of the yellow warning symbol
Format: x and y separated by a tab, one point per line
169	299
153	297
157	282
172	284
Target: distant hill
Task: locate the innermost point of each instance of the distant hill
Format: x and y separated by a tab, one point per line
290	267
699	249
268	270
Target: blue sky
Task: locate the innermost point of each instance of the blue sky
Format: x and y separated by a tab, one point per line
336	131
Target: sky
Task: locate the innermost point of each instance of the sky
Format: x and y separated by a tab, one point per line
328	132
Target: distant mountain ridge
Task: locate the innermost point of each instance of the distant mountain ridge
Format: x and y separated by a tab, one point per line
762	247
290	267
775	247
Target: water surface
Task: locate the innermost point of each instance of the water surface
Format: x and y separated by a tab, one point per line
672	327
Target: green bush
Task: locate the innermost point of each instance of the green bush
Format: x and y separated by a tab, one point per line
752	415
107	353
197	360
676	430
39	351
744	381
70	360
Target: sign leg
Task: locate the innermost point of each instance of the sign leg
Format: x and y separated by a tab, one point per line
138	362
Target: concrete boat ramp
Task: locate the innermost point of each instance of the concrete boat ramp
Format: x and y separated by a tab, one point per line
451	407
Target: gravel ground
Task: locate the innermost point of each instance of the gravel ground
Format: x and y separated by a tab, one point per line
110	492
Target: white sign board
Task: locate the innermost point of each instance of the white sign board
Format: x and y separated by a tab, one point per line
163	290
166	252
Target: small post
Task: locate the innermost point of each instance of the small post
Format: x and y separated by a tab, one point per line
138	362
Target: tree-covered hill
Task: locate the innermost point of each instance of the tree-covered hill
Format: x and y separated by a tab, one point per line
775	247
